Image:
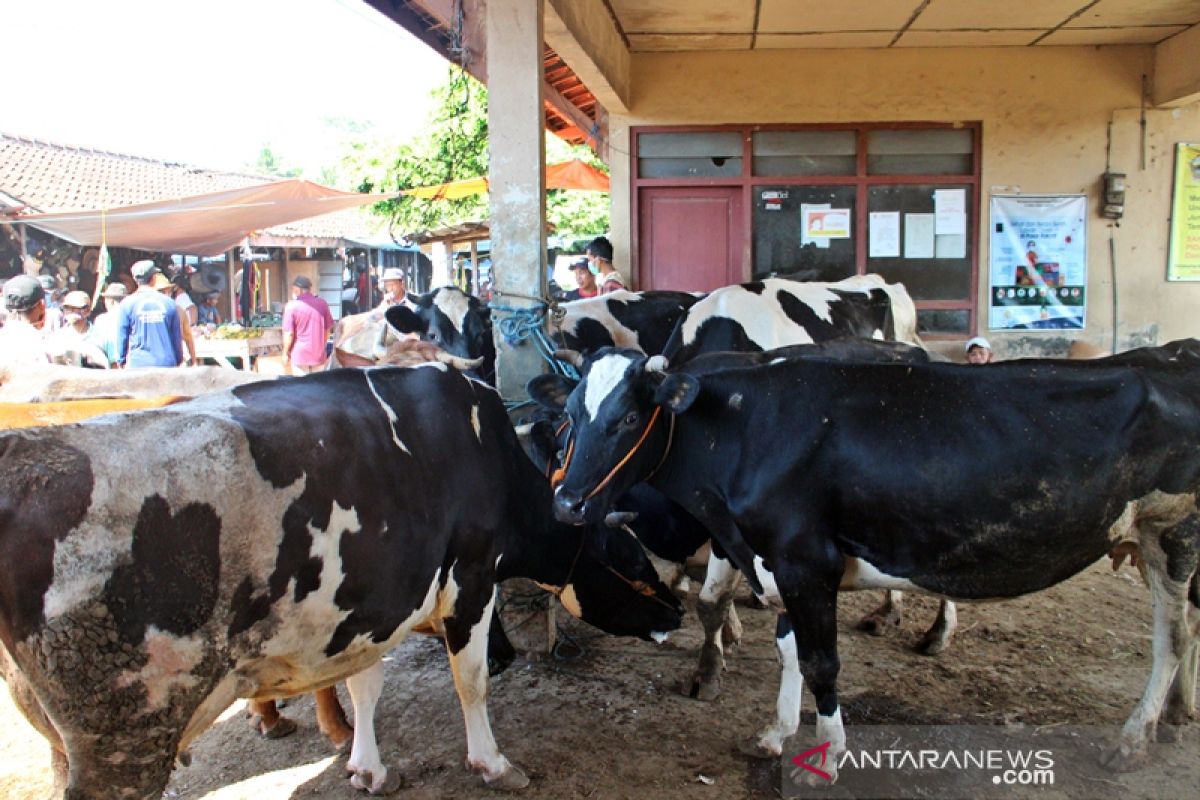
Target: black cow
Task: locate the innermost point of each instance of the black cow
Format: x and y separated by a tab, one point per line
959	481
316	522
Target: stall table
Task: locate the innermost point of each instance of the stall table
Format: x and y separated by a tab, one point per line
269	342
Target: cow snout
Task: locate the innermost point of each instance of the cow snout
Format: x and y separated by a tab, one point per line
568	507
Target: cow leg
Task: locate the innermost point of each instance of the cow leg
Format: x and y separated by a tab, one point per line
266	719
331	719
887	615
810	596
1181	700
369	771
768	743
938	637
712	607
468	645
1172	640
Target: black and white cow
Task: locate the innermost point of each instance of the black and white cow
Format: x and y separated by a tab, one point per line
775	312
454	321
636	320
958	481
315	523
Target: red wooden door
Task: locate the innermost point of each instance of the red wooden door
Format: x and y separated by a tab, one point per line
690	239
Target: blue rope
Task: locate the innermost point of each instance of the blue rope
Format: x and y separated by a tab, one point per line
519	325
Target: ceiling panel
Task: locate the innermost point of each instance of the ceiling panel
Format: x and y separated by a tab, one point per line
1136	13
822	41
968	38
1085	36
652	42
988	14
800	16
685	16
678	25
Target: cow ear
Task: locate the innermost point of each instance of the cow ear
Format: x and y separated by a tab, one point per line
677	392
550	391
404	319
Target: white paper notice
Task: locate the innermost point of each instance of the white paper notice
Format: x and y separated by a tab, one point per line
885	234
804	237
950	210
950	246
918	235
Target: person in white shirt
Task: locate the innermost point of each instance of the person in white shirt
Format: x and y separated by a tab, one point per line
22	342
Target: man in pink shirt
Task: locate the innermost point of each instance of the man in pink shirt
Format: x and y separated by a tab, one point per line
306	326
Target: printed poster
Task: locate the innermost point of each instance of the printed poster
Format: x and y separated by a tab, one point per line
1183	259
918	236
884	234
1038	265
827	223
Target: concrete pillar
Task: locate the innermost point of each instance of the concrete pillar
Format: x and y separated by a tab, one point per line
518	196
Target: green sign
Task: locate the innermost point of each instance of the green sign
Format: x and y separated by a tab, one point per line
1183	260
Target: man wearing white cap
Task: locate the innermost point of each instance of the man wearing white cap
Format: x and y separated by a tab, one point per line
395	290
979	351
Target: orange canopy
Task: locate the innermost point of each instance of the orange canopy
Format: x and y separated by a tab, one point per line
573	174
203	224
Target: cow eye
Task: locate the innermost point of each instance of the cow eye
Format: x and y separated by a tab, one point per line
431	336
631	418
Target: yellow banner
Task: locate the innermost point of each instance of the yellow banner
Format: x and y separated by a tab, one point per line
1183	260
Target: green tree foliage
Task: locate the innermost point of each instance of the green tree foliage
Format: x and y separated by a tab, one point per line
270	164
454	146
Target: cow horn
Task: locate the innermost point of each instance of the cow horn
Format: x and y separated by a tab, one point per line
572	357
657	364
617	519
380	348
458	362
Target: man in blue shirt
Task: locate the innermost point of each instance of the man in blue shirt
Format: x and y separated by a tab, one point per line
148	331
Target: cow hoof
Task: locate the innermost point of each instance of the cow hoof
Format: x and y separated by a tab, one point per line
341	740
698	687
392	781
754	747
282	727
1168	733
511	780
931	645
1123	758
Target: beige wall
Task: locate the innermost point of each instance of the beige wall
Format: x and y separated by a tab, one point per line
1045	114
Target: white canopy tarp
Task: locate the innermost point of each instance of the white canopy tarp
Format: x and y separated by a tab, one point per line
203	224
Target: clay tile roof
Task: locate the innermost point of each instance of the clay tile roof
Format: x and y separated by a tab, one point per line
50	177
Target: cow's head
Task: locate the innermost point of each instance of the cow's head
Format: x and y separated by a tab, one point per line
612	585
454	321
621	419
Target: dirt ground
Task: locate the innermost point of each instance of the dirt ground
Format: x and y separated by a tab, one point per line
610	723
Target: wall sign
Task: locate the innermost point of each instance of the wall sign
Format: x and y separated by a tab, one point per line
1183	258
1038	262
